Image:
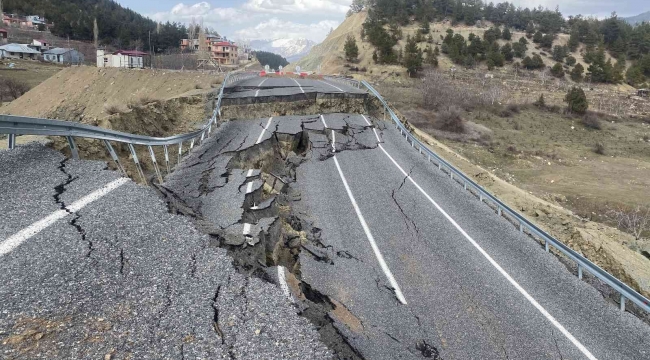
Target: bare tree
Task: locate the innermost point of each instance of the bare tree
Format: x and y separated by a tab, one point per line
12	88
95	33
635	221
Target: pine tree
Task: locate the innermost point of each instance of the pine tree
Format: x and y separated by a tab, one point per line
576	73
506	35
557	70
576	101
351	49
412	56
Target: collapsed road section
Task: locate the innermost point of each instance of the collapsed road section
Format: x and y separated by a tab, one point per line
383	253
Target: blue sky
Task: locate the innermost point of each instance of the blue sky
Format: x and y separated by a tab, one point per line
312	19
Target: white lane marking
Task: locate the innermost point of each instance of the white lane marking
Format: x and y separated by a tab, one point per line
12	242
301	89
283	283
521	290
322	118
373	129
247	229
249	188
371	239
333	141
263	81
336	87
259	139
257	93
250	173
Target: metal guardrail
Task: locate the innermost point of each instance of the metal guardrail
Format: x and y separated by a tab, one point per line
626	292
18	125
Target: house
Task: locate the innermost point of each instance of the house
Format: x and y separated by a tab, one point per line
3	36
225	52
122	59
18	51
35	20
12	20
64	56
40	45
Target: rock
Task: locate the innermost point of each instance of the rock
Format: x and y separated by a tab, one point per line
294	242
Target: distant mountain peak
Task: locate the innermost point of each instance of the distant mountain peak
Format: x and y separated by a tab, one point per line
291	49
638	18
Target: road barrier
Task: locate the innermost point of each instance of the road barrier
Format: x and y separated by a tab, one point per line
524	225
18	125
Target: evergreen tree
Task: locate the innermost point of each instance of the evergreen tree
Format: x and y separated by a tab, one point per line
519	49
506	50
570	60
538	37
576	101
557	70
412	56
351	49
576	73
506	35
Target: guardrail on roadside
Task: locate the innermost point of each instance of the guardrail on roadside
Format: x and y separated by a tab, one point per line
18	125
584	264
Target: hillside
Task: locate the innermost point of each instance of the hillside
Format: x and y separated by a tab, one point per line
118	26
291	49
639	18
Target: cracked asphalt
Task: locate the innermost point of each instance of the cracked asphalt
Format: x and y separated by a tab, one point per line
320	196
124	279
281	86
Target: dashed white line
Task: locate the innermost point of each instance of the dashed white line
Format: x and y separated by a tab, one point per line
301	89
521	290
322	118
283	283
371	239
247	229
12	242
250	173
249	188
333	141
336	87
259	140
263	81
373	129
257	93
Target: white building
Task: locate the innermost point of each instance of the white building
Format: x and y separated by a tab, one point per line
122	59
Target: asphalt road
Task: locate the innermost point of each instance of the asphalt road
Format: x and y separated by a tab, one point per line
123	278
283	86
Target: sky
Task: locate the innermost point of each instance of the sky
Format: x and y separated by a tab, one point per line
312	19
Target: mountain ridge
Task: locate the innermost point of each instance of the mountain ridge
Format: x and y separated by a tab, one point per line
289	48
637	19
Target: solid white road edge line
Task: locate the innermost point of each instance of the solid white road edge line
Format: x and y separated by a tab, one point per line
322	118
373	129
250	173
12	242
259	139
371	239
333	141
249	188
336	87
300	86
283	283
263	81
528	297
247	229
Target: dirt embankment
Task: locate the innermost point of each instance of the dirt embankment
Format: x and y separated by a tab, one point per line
146	102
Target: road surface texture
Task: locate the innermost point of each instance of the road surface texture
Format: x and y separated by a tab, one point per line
122	278
264	87
395	277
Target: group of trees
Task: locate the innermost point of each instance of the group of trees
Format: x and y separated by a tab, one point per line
611	36
274	61
117	26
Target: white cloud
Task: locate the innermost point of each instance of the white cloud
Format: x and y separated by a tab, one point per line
314	7
213	17
275	29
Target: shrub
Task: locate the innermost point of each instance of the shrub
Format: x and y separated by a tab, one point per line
140	101
570	60
514	108
599	149
512	149
12	88
451	120
557	70
198	86
112	109
540	103
591	121
576	101
505	113
646	138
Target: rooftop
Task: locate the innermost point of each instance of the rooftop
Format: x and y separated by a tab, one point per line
58	51
19	48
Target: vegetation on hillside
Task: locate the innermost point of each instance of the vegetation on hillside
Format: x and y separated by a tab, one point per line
274	61
118	26
612	36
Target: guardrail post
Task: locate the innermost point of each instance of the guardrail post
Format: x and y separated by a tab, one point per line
465	185
480	196
155	164
180	152
202	137
137	164
73	148
192	144
11	141
111	151
622	302
579	271
521	227
166	158
546	247
499	210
